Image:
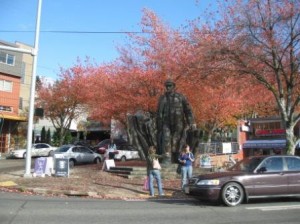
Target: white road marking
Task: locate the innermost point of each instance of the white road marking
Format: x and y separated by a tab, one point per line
275	208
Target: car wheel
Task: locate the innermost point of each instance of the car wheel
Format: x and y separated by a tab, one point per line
232	194
123	158
97	160
24	155
71	163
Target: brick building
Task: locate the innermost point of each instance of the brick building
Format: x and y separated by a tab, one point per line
15	80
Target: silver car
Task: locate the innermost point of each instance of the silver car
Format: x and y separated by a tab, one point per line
77	154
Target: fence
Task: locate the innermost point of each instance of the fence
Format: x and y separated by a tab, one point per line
219	148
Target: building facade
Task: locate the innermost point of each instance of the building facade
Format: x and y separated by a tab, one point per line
264	136
15	80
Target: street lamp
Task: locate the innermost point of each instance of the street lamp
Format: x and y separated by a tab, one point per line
32	90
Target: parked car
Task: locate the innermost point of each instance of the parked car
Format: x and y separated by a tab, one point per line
102	146
126	152
37	150
77	154
253	177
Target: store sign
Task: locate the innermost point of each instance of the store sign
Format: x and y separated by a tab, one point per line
226	147
269	132
61	167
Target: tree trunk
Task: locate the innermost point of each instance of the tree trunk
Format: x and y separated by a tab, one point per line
290	140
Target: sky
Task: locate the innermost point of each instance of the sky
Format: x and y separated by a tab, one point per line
18	24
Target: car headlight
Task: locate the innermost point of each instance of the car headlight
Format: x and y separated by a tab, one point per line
209	182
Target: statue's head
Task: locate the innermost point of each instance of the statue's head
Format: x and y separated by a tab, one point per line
170	85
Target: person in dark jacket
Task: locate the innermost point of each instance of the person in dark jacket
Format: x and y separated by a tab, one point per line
154	173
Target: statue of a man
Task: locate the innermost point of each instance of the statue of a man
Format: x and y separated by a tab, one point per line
174	117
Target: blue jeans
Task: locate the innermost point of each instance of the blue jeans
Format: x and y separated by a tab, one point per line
186	173
155	174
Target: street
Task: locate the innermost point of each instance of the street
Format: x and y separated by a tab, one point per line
20	209
12	164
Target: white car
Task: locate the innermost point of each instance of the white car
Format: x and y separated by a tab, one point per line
126	152
37	150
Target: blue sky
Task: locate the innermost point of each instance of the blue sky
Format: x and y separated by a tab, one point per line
60	49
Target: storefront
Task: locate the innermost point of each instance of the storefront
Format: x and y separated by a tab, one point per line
263	136
264	147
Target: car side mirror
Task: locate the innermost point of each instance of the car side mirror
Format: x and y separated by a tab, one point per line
262	169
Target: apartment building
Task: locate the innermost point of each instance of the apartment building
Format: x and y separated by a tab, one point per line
15	81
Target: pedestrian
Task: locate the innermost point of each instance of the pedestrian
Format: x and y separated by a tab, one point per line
186	159
153	172
111	150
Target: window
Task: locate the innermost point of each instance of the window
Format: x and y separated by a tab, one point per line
6	85
274	164
21	103
7	58
6	108
293	164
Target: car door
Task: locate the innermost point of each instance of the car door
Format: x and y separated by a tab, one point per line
43	149
36	150
75	154
86	155
293	173
272	180
133	152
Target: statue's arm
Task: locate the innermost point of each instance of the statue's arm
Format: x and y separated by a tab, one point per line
188	113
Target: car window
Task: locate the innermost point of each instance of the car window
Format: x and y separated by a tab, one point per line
274	164
84	150
247	165
76	149
293	164
63	149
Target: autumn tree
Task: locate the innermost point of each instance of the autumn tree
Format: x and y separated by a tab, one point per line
135	81
62	101
262	39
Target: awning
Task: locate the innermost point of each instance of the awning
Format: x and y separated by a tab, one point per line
13	117
265	144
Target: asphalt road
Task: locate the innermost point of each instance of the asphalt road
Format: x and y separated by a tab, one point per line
21	209
12	164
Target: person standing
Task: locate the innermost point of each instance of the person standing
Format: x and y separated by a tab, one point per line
186	159
111	149
154	173
174	118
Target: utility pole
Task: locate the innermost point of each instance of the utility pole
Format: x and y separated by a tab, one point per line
32	90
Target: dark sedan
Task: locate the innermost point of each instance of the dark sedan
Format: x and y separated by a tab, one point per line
254	177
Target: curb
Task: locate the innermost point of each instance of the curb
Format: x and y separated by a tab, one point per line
96	195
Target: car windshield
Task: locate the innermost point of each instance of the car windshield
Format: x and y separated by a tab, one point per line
247	165
63	149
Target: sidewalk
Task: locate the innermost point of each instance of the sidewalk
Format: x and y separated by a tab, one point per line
86	181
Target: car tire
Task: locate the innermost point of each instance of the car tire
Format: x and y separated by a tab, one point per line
123	158
97	160
71	163
24	155
232	194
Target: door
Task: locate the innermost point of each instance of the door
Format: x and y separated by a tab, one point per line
293	166
273	181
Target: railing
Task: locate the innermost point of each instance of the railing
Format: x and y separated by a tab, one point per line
218	148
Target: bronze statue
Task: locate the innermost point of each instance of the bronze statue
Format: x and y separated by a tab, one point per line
174	118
